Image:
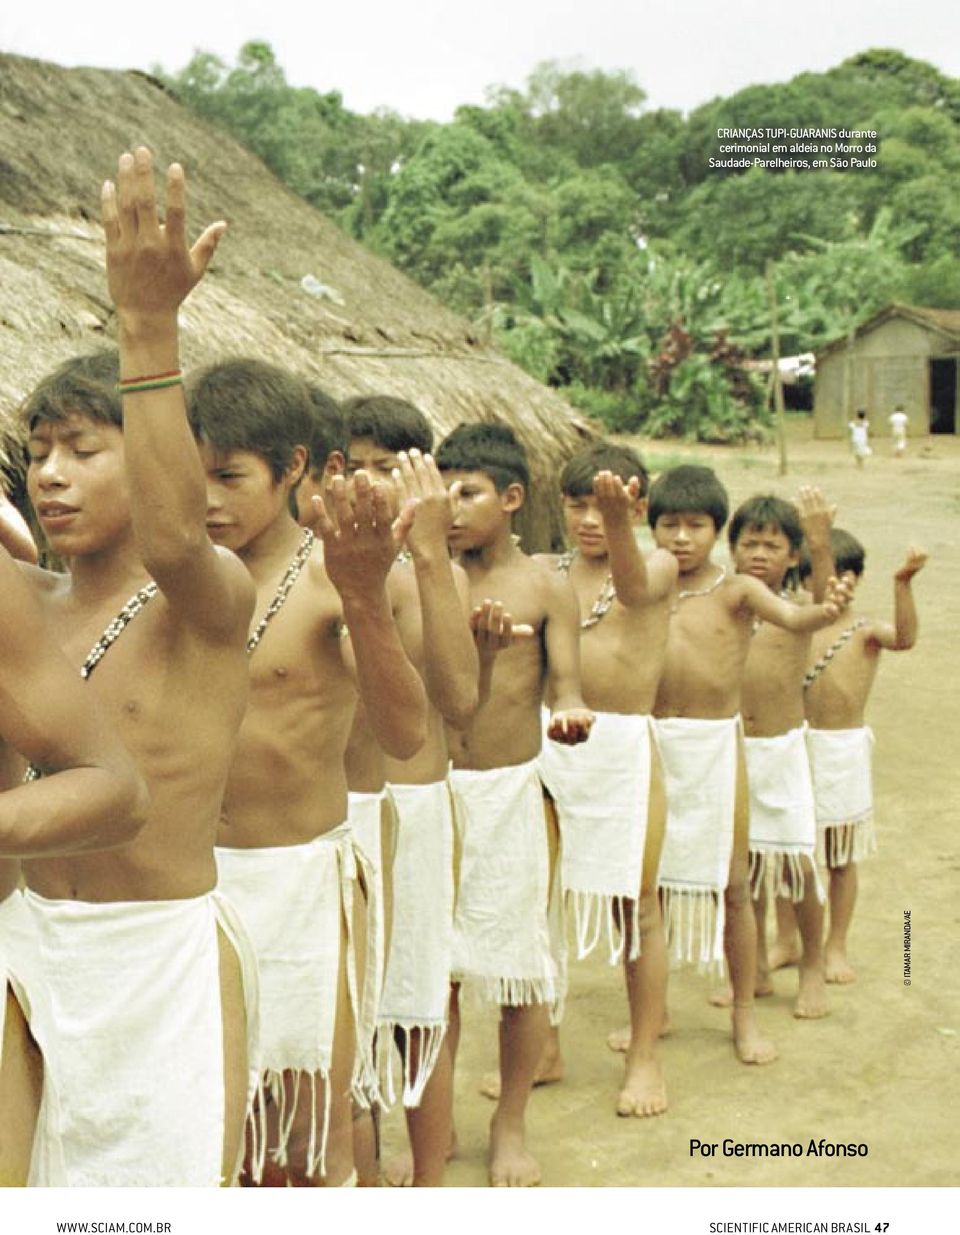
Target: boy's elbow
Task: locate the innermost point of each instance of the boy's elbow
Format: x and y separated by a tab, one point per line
405	737
462	709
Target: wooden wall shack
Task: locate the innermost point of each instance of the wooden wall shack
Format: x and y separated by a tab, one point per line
905	354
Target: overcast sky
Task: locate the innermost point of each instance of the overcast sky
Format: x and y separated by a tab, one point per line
424	57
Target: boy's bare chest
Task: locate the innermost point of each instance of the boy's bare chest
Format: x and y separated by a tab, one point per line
519	591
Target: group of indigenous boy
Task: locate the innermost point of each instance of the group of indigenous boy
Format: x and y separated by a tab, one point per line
301	805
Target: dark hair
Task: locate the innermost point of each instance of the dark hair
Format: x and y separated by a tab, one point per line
576	479
394	424
861	413
246	404
329	429
848	554
688	488
767	510
85	385
489	448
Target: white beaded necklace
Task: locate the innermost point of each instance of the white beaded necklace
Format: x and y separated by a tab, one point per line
700	591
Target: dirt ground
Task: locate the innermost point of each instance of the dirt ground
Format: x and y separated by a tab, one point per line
882	1069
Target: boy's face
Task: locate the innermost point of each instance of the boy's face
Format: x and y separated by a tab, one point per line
78	485
315	484
765	553
481	512
689	535
243	499
584	524
377	461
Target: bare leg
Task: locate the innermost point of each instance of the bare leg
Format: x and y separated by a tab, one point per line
785	949
235	1067
550	1067
429	1125
366	1144
644	1090
812	996
21	1083
763	986
843	897
740	941
522	1034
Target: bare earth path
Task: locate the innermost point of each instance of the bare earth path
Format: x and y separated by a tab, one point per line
884	1068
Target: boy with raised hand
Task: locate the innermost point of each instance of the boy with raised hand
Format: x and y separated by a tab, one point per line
608	794
704	870
90	797
145	961
766	534
501	933
323	635
390	438
844	658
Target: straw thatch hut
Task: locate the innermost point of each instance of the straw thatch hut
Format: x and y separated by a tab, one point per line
60	133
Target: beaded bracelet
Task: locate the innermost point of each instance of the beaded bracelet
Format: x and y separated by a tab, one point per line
154	381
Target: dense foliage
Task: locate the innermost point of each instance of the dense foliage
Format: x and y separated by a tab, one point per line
592	240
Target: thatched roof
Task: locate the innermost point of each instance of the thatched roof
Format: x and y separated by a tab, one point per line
60	133
945	321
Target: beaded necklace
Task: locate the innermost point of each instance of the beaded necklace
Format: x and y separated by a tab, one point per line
290	577
111	634
603	603
700	591
813	673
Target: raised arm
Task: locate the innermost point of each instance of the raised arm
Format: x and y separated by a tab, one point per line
901	635
571	720
449	651
15	535
638	581
360	545
150	272
92	796
816	520
756	600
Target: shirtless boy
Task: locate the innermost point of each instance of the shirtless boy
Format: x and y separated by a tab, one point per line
501	934
90	798
390	438
143	959
284	851
704	870
844	657
608	791
766	534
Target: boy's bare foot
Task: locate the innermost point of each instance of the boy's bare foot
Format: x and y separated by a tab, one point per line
618	1040
812	997
511	1164
549	1072
836	967
780	955
724	999
644	1091
398	1171
748	1042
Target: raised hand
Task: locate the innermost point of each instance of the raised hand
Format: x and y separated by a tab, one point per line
816	515
15	535
916	560
570	727
150	268
361	540
615	499
420	485
838	595
494	629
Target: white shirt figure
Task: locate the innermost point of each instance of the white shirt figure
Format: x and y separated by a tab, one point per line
859	439
898	427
